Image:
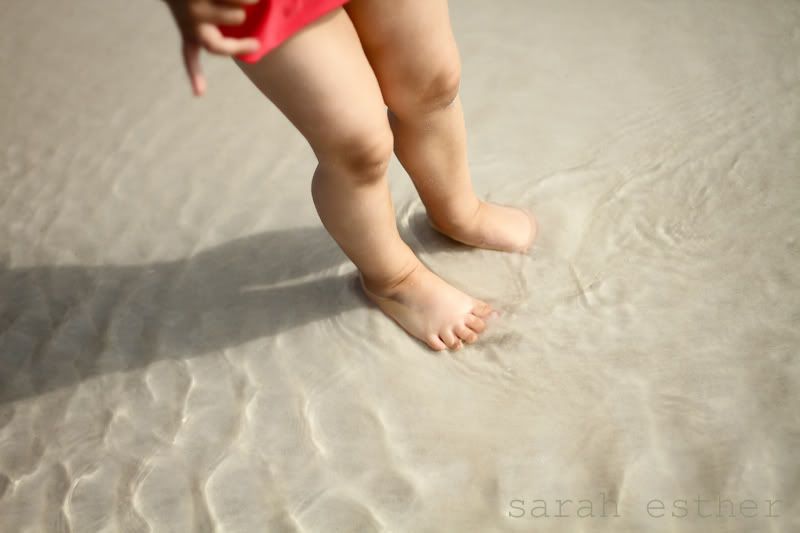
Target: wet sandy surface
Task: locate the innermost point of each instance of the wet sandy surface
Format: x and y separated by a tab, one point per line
183	347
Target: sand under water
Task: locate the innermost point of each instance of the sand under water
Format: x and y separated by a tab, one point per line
183	348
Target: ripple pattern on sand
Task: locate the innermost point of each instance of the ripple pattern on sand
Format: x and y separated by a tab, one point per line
184	348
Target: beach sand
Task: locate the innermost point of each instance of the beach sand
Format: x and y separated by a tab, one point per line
183	348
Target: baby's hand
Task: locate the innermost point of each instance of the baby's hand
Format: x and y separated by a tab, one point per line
197	21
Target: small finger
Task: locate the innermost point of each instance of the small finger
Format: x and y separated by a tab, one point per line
191	60
216	14
216	43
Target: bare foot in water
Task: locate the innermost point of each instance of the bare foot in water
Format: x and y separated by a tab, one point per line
495	227
431	310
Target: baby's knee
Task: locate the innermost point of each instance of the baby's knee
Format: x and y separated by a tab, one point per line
362	153
427	91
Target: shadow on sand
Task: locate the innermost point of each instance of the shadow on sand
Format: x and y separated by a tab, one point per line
60	325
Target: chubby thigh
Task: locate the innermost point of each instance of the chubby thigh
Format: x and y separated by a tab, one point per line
413	52
322	82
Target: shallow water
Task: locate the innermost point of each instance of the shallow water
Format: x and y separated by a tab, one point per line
183	347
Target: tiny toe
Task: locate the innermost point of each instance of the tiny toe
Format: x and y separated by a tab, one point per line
481	309
466	334
475	324
436	343
449	339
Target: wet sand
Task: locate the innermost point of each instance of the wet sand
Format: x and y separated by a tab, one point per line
183	348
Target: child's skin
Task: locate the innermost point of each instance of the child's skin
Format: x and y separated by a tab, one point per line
333	80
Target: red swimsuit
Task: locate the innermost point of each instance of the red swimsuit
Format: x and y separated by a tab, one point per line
274	21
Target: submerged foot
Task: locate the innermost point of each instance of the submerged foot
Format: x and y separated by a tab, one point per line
495	227
431	310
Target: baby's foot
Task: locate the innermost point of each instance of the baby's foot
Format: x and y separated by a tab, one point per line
496	227
431	310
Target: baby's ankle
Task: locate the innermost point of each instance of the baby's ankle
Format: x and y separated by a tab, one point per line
458	221
388	285
492	226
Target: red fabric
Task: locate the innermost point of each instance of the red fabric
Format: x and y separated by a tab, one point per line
274	21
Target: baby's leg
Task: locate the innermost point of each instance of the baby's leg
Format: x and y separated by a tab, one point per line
411	48
321	80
